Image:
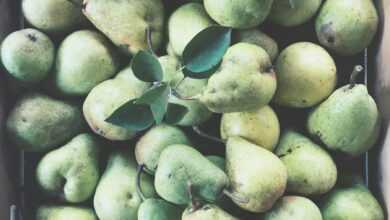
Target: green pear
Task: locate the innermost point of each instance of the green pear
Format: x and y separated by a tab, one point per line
217	161
72	171
180	166
294	208
260	126
347	26
261	39
306	75
158	209
186	22
85	58
245	81
125	21
153	142
106	97
351	201
238	13
258	177
169	50
116	197
39	123
290	13
65	213
54	16
348	121
311	170
28	55
207	212
185	87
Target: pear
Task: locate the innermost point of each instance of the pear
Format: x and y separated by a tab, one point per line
294	208
185	87
261	39
217	161
72	171
64	213
125	21
311	170
180	166
85	58
238	13
54	16
348	121
106	97
351	201
290	13
257	176
306	75
186	22
169	50
116	197
153	142
347	27
260	126
28	55
38	122
207	212
158	209
245	81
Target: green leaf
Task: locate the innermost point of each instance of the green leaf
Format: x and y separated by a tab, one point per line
157	99
204	52
175	113
132	116
146	67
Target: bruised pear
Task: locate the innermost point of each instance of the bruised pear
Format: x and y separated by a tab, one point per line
238	13
125	21
245	81
184	23
260	126
347	26
306	75
207	212
64	212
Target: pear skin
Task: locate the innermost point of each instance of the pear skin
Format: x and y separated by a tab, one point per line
207	212
158	209
64	213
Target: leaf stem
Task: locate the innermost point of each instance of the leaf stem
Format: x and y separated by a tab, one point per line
234	197
356	71
197	130
148	33
138	182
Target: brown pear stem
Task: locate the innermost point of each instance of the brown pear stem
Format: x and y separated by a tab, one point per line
234	197
148	33
195	205
356	71
201	133
140	169
292	4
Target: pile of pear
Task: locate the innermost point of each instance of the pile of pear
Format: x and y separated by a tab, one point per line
70	70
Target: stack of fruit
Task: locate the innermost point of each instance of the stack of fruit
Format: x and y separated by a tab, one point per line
145	109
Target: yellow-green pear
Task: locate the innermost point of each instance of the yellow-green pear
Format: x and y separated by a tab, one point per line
207	212
50	212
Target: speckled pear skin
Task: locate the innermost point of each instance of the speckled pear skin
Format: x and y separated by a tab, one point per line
76	71
158	209
197	111
217	161
28	55
300	83
294	208
261	39
72	171
347	26
238	13
207	212
348	121
311	170
260	126
39	123
184	23
154	141
54	16
125	21
256	175
116	197
353	201
65	213
180	164
106	97
282	13
244	81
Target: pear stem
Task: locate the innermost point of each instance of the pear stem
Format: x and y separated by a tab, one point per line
195	205
292	4
140	169
197	130
356	71
234	197
148	33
